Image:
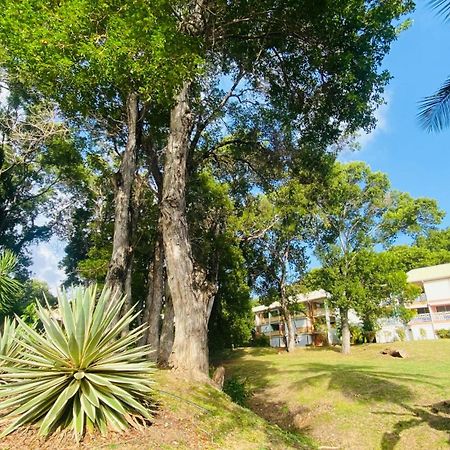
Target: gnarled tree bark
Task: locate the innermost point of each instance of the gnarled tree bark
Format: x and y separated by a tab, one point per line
116	277
192	294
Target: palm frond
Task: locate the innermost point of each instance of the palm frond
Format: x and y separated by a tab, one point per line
9	286
442	7
434	111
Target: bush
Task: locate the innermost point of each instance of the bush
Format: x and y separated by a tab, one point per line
356	334
260	340
80	372
238	390
401	333
443	334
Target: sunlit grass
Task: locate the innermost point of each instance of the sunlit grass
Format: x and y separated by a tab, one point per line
362	401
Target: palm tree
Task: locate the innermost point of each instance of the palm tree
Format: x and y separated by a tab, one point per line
9	286
434	110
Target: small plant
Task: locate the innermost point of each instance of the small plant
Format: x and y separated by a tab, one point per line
356	334
237	389
260	340
401	333
423	333
80	372
9	286
443	334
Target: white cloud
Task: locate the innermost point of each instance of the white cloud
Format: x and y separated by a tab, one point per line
46	257
366	139
381	116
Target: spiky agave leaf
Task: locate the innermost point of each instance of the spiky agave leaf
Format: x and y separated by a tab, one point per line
9	344
80	372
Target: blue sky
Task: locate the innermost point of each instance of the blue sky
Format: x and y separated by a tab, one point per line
416	161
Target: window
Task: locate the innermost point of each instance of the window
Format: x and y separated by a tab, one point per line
275	313
422	310
443	308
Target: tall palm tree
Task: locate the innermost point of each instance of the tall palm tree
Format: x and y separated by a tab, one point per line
434	110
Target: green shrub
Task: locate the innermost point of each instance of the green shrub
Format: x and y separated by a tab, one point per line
237	389
401	333
423	333
80	372
260	340
443	334
356	334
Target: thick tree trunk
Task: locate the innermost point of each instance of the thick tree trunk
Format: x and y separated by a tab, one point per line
167	333
289	331
345	330
291	334
191	293
122	249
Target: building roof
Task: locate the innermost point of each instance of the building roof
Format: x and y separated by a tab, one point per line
301	298
430	273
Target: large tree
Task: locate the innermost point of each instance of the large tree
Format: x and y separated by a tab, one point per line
307	70
266	77
358	212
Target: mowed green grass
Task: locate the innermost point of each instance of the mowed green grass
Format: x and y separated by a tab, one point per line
365	400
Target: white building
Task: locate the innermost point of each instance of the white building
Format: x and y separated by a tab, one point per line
433	306
315	325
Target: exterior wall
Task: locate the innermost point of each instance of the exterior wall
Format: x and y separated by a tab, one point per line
437	290
389	331
423	332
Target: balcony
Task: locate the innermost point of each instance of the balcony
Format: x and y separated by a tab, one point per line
421	318
441	317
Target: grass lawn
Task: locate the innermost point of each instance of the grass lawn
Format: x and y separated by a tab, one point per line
362	401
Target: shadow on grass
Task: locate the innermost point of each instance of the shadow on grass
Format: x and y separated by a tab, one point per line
359	383
436	416
225	418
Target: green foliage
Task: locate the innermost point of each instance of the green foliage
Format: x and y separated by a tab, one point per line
359	211
259	340
356	334
443	334
80	372
238	390
9	286
401	333
423	333
88	55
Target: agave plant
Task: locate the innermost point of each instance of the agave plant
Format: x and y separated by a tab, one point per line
80	371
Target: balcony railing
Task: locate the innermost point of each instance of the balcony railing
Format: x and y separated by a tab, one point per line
441	317
426	317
